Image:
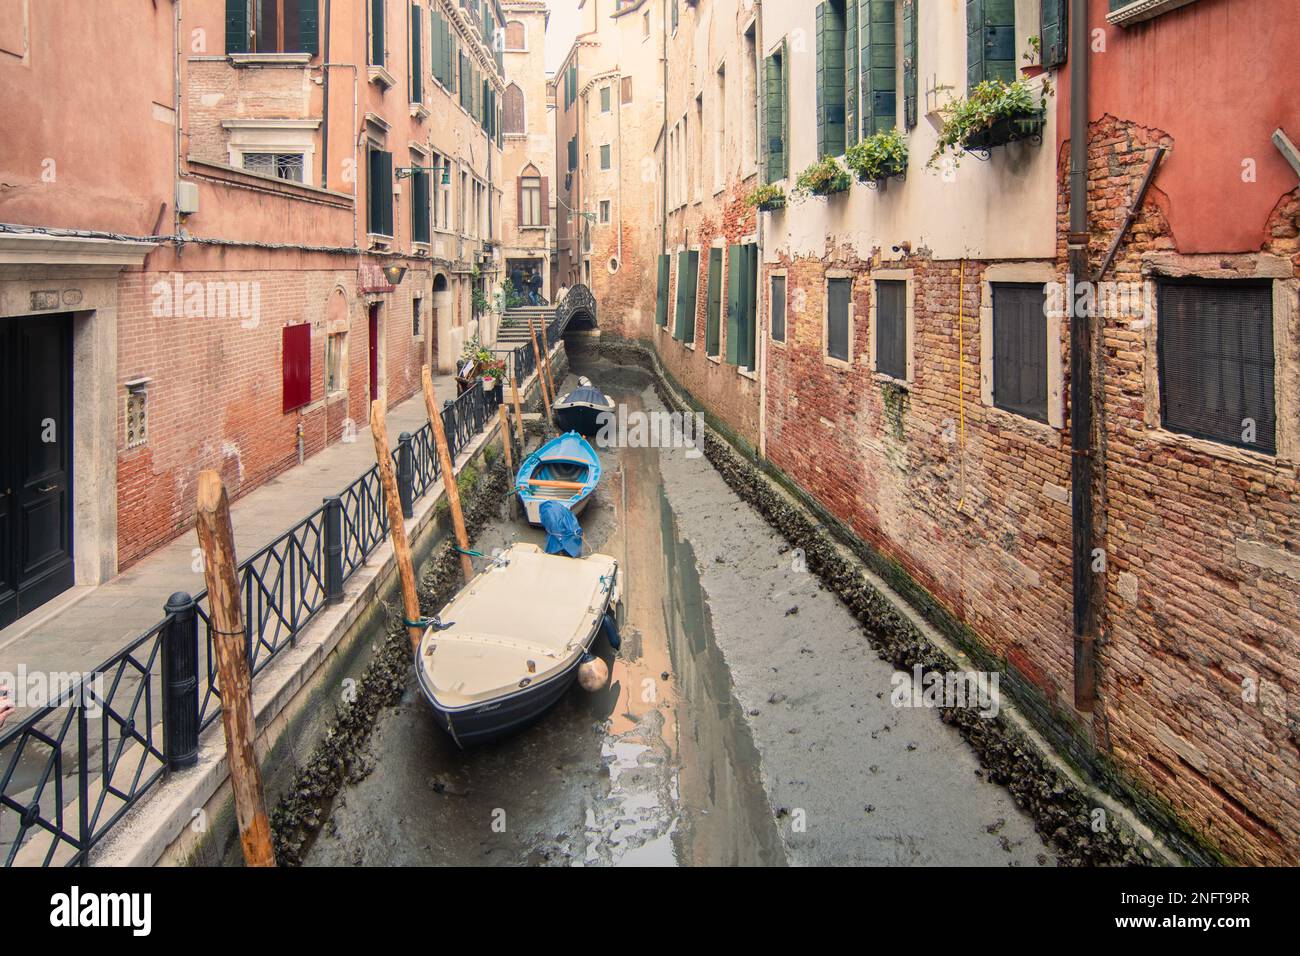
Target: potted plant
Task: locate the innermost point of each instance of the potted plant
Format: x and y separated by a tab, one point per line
823	178
1033	58
767	198
995	113
878	157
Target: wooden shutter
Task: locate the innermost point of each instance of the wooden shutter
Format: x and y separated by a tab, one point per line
420	207
776	310
891	328
661	298
851	72
691	298
417	62
714	305
1020	349
627	90
990	41
679	323
774	90
830	79
910	13
735	282
879	61
236	26
377	32
546	202
309	26
1055	32
295	366
749	311
839	293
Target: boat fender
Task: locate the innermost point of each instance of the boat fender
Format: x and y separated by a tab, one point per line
592	673
610	627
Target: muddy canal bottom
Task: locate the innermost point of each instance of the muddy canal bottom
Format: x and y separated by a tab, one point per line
658	769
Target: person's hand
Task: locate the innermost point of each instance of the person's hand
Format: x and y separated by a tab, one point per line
6	706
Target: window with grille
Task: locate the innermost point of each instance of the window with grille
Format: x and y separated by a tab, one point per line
417	317
778	308
287	166
839	295
334	361
1020	349
137	415
1216	361
891	328
606	160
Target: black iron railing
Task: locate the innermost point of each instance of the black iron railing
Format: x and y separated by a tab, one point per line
70	769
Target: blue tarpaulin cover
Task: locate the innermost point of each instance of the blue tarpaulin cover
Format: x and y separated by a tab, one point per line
563	533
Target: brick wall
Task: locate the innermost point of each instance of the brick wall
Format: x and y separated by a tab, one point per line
215	391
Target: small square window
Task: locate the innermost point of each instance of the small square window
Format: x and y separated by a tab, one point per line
605	99
287	166
1020	349
1217	363
606	159
417	317
604	210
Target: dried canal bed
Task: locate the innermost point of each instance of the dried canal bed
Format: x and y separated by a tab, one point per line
717	667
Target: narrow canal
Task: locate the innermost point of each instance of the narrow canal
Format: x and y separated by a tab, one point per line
747	720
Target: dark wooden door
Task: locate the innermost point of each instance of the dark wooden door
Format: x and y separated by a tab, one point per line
35	462
374	354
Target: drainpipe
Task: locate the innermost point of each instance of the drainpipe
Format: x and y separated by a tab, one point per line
325	92
663	179
1081	390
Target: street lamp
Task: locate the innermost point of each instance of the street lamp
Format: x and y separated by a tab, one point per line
394	274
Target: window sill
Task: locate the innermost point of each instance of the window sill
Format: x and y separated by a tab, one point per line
689	345
748	373
381	76
1139	10
844	365
1213	449
419	112
884	378
338	395
378	241
1041	432
242	60
779	343
715	359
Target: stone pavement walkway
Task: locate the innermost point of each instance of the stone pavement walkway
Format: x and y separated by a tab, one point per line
80	630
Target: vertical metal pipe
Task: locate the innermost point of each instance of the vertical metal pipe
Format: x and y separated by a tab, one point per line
1081	391
405	475
333	549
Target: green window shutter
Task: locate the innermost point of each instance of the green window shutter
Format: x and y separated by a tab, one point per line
749	310
714	305
830	78
910	13
417	63
735	282
377	32
990	41
604	99
309	26
1056	31
606	160
683	297
880	69
850	72
693	285
774	91
661	298
236	26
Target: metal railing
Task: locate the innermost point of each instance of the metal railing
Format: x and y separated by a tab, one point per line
72	768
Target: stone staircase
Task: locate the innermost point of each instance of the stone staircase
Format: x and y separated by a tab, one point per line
513	329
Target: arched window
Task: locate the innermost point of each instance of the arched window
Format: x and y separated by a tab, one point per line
515	35
533	198
513	104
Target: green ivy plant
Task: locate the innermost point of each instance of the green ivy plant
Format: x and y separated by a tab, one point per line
823	178
989	103
878	157
767	198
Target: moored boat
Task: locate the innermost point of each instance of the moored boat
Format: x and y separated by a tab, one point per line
511	642
580	411
565	470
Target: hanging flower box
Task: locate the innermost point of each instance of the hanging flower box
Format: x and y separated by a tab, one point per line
826	177
1007	129
767	198
879	157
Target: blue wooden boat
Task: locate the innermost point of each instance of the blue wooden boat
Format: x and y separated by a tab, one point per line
565	470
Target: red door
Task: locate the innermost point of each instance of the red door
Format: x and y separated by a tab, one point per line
374	351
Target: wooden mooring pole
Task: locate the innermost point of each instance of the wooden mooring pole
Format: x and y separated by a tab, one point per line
396	523
448	470
505	440
230	644
541	373
519	415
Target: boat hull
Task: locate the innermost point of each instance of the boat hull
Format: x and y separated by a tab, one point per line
490	720
533	507
583	419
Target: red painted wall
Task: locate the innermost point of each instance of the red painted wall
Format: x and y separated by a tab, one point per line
1218	76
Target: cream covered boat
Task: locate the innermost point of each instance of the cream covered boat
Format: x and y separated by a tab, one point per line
509	644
